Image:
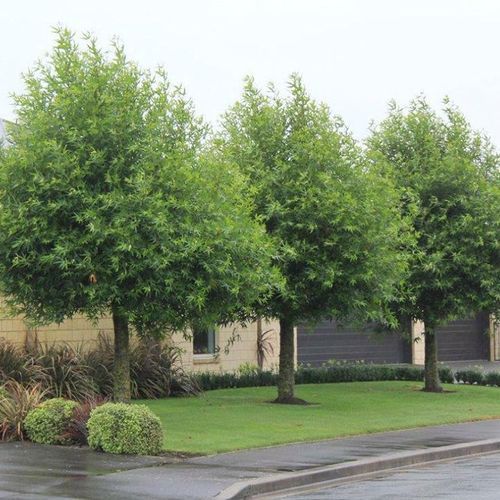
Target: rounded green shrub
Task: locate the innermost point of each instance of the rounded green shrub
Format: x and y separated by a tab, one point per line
125	428
47	422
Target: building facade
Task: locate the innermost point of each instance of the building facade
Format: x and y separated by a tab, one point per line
475	338
221	349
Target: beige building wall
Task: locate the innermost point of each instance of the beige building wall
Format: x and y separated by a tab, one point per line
240	344
417	343
494	338
80	331
75	331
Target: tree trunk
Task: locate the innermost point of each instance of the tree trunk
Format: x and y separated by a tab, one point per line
286	377
121	365
432	383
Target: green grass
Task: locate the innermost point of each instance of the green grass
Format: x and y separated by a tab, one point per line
232	419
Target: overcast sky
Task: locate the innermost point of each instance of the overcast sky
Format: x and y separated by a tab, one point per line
355	55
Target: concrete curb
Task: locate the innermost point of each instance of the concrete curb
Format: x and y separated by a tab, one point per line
285	481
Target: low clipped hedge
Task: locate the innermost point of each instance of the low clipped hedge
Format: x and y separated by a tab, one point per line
125	428
478	377
327	374
365	373
470	377
47	423
210	381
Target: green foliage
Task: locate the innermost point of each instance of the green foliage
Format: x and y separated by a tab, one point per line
259	378
15	403
326	374
492	378
122	428
334	218
478	377
449	179
471	377
364	373
248	369
47	423
109	202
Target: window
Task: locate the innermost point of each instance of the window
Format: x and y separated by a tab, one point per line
203	340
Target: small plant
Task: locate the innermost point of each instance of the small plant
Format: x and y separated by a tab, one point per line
47	423
76	430
246	369
15	405
124	428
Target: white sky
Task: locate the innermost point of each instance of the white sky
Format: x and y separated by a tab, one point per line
353	54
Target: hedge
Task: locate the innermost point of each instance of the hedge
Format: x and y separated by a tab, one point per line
326	374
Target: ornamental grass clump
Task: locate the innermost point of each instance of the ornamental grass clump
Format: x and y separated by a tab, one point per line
62	371
124	428
47	423
15	403
15	364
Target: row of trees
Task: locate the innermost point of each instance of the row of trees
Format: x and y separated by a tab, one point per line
116	197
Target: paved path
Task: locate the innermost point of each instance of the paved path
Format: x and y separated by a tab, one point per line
35	471
472	478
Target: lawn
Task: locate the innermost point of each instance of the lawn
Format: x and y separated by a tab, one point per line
232	419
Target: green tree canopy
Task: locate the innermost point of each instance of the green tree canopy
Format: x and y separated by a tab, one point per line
449	181
332	216
109	203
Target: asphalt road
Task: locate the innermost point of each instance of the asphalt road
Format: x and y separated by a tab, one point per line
475	478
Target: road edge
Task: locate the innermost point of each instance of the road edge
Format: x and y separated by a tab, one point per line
285	481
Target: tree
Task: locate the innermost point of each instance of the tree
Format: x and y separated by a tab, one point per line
331	216
448	176
110	204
